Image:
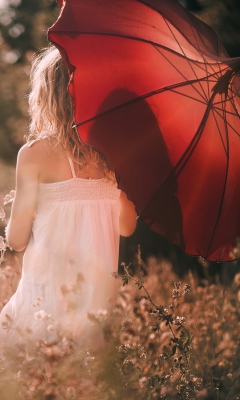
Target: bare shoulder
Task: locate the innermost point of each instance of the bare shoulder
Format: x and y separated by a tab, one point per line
36	152
35	149
45	159
32	156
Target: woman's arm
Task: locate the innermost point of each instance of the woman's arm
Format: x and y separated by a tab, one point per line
128	216
25	201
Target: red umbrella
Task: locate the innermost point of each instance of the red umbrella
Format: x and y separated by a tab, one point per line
154	91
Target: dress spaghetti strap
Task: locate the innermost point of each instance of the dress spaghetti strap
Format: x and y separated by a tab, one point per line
29	144
72	167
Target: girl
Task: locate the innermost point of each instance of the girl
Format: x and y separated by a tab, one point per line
67	214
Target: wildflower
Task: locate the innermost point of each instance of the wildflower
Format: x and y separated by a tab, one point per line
2	213
102	312
186	288
53	351
142	381
179	320
8	271
143	355
41	314
177	285
175	294
50	328
98	316
162	356
152	336
9	197
2	243
137	299
237	279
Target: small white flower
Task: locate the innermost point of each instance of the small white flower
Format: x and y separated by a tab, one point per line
41	314
102	312
2	244
9	197
179	320
2	213
50	328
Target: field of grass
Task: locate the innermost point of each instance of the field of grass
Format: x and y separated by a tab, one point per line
165	339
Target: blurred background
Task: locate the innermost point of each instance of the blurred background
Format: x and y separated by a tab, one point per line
23	31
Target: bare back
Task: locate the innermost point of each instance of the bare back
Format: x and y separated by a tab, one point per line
52	163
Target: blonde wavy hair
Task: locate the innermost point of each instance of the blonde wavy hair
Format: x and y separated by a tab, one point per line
51	112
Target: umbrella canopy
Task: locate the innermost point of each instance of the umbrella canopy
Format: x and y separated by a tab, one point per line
154	90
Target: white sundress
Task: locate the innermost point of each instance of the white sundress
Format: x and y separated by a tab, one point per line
69	264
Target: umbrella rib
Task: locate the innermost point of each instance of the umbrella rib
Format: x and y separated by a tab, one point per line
168	19
145	96
208	82
193	98
189	151
174	66
234	130
200	63
219	131
194	72
227	112
191	147
133	38
188	96
219	108
224	189
176	27
237	90
157	46
186	38
234	106
206	63
235	93
177	169
185	56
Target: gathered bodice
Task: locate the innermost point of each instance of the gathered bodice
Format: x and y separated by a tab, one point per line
79	189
